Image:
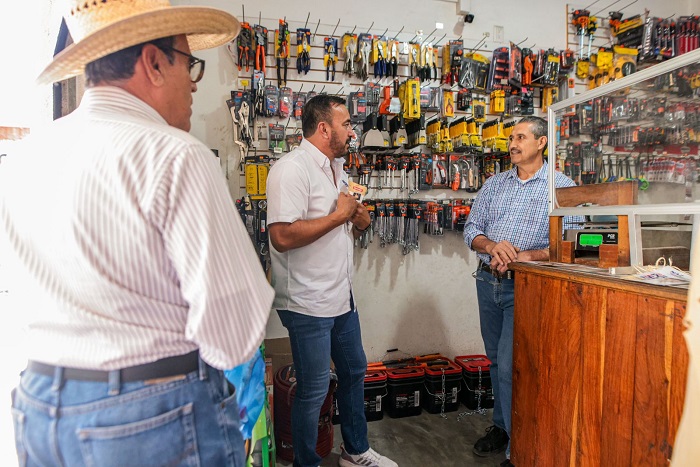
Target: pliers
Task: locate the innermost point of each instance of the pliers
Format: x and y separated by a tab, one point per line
393	65
261	47
380	64
282	52
303	57
415	66
330	57
244	46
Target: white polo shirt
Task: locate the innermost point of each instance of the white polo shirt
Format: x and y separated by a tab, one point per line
315	279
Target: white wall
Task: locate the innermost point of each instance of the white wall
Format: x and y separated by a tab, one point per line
425	301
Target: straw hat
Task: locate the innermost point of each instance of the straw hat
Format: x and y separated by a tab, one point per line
101	27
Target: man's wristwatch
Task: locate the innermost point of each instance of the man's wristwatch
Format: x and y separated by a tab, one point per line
354	226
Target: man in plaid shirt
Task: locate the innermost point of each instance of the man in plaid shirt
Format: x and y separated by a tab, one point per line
508	222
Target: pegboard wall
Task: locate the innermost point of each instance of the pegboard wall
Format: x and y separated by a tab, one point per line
319	79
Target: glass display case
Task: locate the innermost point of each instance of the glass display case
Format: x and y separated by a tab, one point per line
645	129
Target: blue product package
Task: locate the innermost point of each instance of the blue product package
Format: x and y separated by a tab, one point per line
249	380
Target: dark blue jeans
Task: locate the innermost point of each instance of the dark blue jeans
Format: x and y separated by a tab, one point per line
496	315
314	341
191	421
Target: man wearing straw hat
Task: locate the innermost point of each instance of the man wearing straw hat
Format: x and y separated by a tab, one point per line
134	270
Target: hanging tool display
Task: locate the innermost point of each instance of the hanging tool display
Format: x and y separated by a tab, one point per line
260	47
580	20
379	57
245	46
282	51
303	51
414	61
330	57
393	63
349	42
364	50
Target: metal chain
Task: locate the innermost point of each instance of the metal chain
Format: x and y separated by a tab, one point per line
443	397
479	410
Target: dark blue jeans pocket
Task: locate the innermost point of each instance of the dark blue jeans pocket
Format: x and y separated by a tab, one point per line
167	439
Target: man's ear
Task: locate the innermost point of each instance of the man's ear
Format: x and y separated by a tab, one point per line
542	142
151	60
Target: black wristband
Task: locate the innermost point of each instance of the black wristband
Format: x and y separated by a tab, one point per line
354	226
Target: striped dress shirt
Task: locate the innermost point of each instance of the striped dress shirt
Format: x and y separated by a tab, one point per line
124	244
507	208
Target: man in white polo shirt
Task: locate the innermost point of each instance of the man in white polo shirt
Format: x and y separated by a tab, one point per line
312	222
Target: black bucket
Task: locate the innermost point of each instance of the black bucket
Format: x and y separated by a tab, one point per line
404	392
375	391
477	391
433	388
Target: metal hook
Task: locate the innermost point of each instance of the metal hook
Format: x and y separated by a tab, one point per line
385	31
596	1
336	28
339	91
635	1
307	20
443	36
397	34
316	30
243	8
370	28
670	17
413	38
522	41
353	30
603	9
301	87
259	17
321	91
429	36
482	41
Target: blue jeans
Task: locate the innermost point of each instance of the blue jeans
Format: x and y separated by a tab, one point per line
192	421
496	315
314	341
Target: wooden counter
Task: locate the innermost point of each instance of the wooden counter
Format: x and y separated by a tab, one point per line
599	369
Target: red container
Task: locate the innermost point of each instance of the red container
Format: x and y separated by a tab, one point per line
284	391
477	391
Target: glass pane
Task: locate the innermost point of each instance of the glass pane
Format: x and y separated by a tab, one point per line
647	133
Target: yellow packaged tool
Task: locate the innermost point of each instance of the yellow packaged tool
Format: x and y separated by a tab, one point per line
256	178
497	103
549	97
448	103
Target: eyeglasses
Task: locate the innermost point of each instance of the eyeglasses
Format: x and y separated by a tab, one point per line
196	64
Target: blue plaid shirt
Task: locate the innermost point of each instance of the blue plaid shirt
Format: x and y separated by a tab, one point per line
508	209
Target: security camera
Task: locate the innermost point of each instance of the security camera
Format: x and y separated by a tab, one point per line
468	18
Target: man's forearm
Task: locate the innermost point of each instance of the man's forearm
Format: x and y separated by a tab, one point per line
534	255
481	244
285	236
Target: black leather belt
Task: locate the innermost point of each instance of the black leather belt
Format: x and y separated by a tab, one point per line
506	275
163	368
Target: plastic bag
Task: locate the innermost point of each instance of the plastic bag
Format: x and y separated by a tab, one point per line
249	380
